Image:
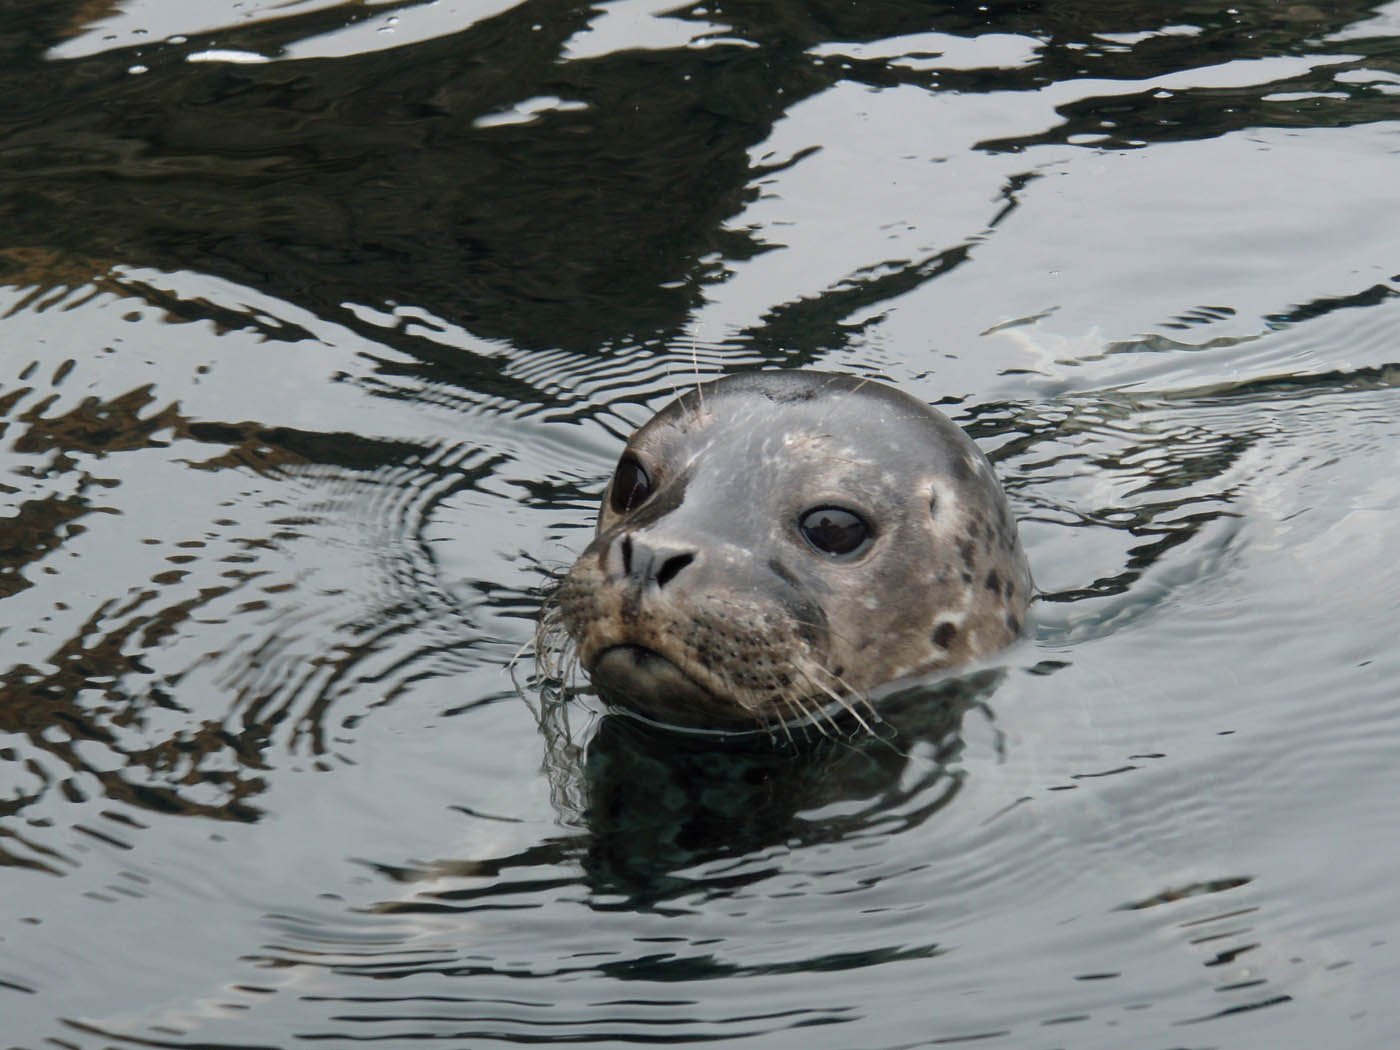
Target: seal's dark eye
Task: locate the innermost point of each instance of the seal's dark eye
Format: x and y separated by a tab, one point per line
630	485
834	531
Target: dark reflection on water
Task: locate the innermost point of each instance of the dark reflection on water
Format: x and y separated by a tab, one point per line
368	179
319	341
655	802
96	688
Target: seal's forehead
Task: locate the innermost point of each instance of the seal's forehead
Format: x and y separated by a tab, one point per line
731	442
802	393
797	408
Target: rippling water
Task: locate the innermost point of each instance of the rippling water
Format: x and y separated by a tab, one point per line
322	325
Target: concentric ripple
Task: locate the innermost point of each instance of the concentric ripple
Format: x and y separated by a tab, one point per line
323	326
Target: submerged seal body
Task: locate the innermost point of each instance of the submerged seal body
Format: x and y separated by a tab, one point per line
772	543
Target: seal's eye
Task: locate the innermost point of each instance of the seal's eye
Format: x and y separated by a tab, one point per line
834	531
630	485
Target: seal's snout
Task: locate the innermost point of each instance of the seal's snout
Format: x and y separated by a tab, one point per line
647	563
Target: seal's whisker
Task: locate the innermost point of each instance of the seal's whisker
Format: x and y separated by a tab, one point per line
812	716
848	641
782	724
860	697
840	699
819	711
819	715
555	652
695	368
510	664
793	703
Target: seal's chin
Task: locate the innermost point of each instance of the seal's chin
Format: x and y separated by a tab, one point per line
647	683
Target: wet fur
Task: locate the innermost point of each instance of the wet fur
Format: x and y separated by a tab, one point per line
768	637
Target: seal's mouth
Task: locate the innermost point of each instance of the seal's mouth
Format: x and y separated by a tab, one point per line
644	681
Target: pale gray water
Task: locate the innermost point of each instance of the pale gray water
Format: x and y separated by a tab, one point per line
313	368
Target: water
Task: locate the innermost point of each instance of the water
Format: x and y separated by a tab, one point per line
322	325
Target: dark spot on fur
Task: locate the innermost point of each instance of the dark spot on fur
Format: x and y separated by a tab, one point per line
967	550
944	634
1014	623
788	397
993	581
781	571
807	617
933	505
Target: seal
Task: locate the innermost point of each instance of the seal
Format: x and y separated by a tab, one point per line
773	545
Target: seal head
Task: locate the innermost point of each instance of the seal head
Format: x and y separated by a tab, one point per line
773	543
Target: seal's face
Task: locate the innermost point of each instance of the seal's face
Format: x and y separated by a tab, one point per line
775	541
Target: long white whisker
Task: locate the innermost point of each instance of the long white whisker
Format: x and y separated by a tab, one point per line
783	725
695	368
812	715
845	704
860	697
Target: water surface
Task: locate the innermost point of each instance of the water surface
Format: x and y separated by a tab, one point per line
323	324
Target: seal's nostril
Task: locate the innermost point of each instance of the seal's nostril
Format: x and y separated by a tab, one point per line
671	567
645	562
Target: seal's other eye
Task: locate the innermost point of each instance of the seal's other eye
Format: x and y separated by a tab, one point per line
834	531
630	485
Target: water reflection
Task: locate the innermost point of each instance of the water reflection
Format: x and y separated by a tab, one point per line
657	802
107	698
381	177
655	805
324	323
